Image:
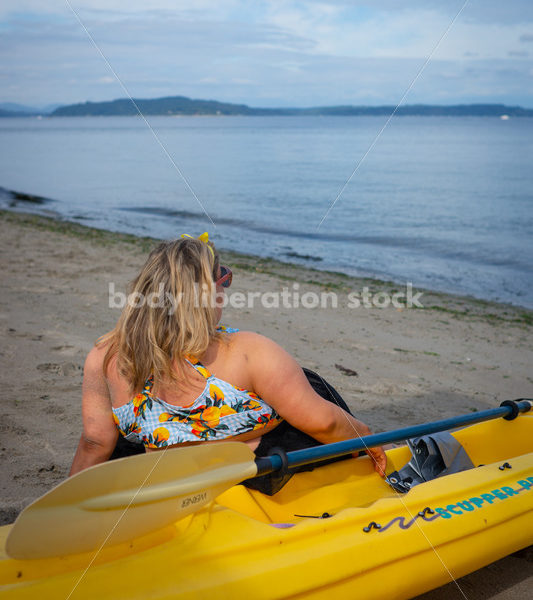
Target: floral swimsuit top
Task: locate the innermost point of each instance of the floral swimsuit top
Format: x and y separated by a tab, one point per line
222	410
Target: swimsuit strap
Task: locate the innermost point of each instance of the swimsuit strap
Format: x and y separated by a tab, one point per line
198	366
148	384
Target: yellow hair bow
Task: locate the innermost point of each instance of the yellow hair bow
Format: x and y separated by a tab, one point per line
203	238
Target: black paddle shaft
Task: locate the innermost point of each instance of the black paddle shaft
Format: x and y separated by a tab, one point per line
509	409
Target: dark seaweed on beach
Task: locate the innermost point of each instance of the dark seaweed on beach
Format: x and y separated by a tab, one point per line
346	371
15	197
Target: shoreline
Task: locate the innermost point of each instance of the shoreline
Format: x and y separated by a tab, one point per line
394	367
446	302
30	202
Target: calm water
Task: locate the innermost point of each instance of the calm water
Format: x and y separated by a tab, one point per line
446	203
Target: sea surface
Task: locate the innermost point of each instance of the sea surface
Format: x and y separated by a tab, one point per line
443	202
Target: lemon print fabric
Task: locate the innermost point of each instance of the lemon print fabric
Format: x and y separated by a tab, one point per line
220	412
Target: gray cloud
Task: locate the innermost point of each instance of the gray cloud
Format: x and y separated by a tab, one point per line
157	52
476	11
170	31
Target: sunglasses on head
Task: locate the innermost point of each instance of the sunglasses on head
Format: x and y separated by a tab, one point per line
225	277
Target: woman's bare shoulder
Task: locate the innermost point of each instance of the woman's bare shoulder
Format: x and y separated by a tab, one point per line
96	356
256	348
243	335
252	341
94	363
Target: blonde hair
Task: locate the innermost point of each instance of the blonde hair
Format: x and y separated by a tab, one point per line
153	338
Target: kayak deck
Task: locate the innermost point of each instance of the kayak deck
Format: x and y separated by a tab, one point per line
236	547
351	484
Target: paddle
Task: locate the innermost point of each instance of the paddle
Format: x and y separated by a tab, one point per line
509	409
124	499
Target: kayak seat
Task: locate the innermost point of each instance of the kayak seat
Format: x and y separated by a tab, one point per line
432	456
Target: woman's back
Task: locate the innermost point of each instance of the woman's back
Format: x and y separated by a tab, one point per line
212	400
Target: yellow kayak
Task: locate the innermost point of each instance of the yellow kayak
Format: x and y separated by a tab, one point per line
245	544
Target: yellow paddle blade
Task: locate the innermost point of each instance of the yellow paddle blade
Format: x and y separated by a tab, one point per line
123	499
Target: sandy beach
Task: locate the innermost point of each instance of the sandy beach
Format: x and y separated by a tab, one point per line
394	366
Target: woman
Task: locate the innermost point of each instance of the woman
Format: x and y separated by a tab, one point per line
166	375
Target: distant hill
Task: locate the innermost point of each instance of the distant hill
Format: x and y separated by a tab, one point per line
175	105
180	105
11	109
18	108
13	113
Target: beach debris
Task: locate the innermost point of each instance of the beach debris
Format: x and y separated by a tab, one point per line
49	367
346	371
47	468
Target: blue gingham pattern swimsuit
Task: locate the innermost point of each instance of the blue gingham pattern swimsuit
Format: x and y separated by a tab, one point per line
221	411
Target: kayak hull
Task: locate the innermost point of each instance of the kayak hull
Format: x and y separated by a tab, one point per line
246	543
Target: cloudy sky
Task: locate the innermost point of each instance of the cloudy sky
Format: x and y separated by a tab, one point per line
268	53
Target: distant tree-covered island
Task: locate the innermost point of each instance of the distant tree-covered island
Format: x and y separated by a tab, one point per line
181	105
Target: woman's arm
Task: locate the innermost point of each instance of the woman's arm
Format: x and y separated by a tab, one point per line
278	380
99	435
